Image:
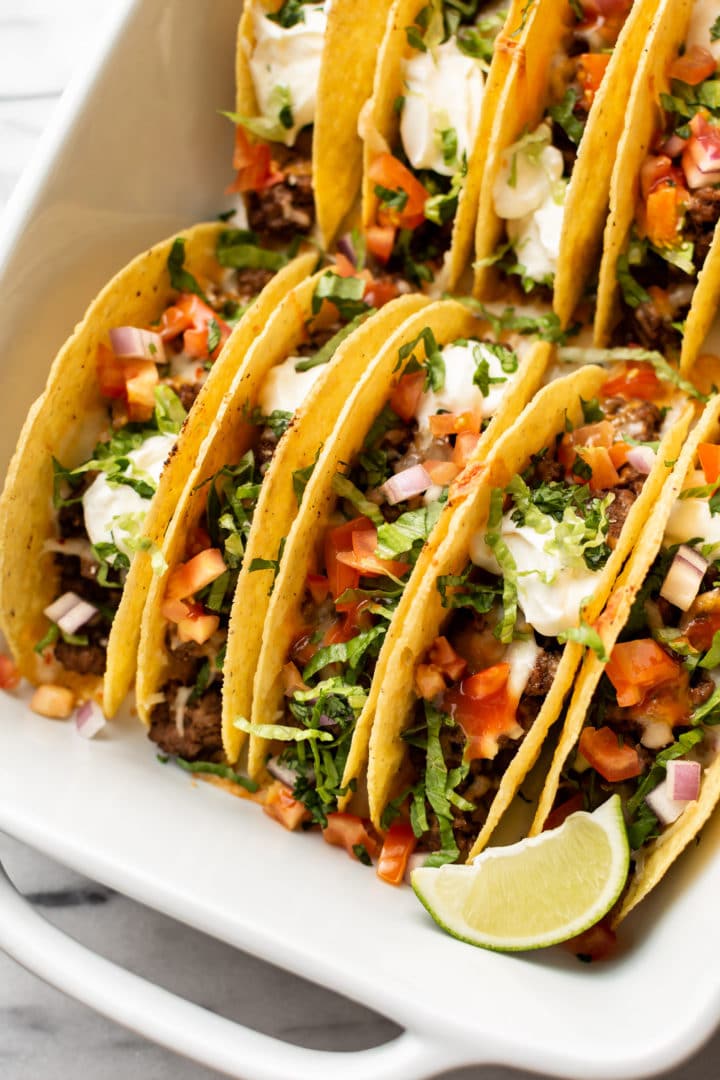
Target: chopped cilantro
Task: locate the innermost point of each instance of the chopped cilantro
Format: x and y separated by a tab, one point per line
564	114
633	293
180	278
240	249
346	293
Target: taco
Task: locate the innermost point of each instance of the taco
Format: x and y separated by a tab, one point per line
240	499
426	129
642	718
500	621
660	273
304	69
546	187
81	515
436	397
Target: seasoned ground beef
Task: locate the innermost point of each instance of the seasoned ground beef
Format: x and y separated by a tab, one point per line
640	420
617	512
644	325
702	690
250	282
188	392
284	209
79	577
542	674
87	659
631	479
187	659
701	215
201	738
266	447
546	469
71	523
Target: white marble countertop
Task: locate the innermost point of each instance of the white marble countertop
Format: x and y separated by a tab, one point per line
43	1033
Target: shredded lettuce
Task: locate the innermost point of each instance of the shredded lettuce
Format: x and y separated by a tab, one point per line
507	564
281	732
347	652
345	488
398	537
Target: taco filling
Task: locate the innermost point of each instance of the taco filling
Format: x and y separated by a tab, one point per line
417	182
186	720
150	377
521	595
650	732
532	181
678	204
388	502
273	150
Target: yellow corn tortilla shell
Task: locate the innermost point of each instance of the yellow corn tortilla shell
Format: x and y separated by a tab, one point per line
66	422
350	51
645	118
536	427
277	506
662	852
588	193
230	437
448	320
381	122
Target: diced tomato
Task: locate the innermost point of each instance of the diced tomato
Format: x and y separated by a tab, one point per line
390	173
318	587
190	310
110	373
9	674
443	424
175	610
601	433
597	943
350	832
709	454
380	291
341	576
694	66
465	446
141	378
174	321
441	472
406	395
429	681
363	558
604	474
635	380
189	577
669	703
664	210
380	241
343	266
619	454
279	804
556	817
591	69
292	680
445	659
197	628
602	749
483	708
636	667
303	649
355	619
398	846
254	165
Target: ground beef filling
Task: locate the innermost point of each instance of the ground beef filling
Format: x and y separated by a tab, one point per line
283	210
199	736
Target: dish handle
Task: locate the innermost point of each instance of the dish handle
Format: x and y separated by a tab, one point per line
190	1029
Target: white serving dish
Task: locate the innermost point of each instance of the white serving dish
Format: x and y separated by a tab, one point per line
137	151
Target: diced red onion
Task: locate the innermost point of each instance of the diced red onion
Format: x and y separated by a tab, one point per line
131	343
89	720
656	734
701	170
181	700
674	145
683	780
61	606
404	485
345	245
683	579
665	809
642	458
282	773
70	612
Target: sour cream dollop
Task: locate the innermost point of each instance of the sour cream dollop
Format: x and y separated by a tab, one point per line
288	57
444	89
550	592
704	15
285	389
691	518
103	503
460	394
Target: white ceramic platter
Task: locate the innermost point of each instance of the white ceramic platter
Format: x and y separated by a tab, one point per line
138	150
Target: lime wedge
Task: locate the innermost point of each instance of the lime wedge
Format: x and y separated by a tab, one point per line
535	893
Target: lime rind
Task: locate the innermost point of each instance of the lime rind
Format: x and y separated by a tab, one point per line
555	881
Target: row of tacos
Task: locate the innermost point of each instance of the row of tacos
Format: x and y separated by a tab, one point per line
360	544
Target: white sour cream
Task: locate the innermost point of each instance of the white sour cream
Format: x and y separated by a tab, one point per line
104	503
691	518
290	58
550	593
704	14
459	394
528	174
536	237
284	388
444	89
521	656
